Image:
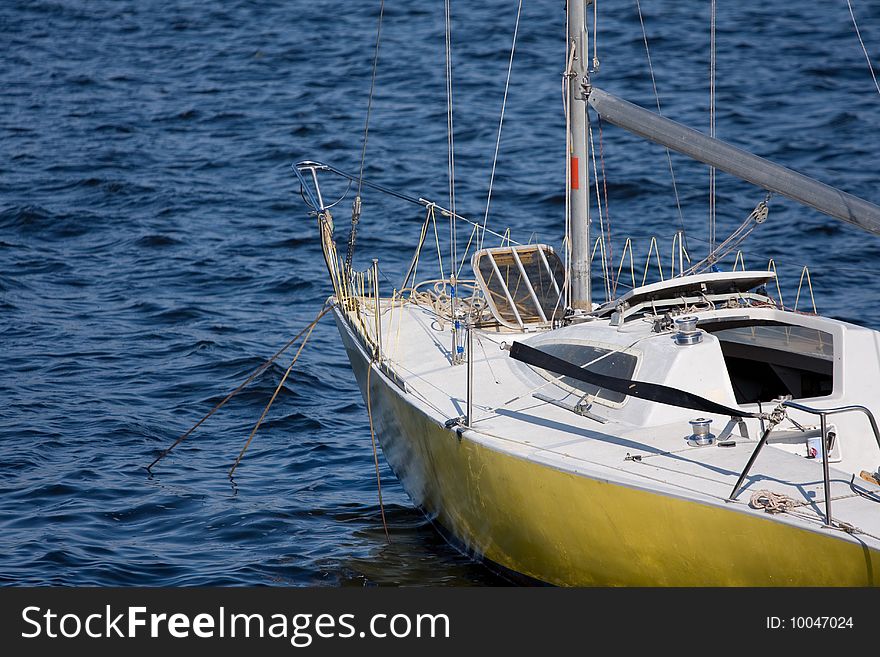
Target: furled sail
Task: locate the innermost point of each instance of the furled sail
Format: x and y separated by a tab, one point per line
736	161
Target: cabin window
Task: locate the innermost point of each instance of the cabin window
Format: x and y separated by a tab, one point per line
619	364
768	361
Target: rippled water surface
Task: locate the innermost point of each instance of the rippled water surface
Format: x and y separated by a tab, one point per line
154	249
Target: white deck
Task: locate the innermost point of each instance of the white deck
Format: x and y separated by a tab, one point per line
508	418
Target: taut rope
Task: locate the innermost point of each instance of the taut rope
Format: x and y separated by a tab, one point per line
272	400
262	368
376	453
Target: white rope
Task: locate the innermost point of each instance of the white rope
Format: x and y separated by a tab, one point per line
864	49
756	217
772	502
805	273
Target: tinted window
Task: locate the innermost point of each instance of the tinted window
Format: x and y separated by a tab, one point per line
793	339
767	361
601	361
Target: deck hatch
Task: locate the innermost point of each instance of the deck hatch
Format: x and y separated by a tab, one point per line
522	284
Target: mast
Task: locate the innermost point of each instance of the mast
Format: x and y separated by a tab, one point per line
578	183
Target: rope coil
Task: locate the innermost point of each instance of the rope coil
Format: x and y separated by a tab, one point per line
772	502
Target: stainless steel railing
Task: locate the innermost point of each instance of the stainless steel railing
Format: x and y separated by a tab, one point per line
823	414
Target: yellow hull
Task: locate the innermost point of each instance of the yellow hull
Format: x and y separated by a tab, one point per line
570	529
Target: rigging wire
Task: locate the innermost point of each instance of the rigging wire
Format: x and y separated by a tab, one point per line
660	112
356	204
457	349
498	135
712	62
566	78
450	132
609	248
864	49
602	214
420	201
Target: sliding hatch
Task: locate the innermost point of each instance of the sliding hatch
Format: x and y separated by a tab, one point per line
768	360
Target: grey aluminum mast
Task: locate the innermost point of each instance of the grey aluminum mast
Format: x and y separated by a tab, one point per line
578	184
737	162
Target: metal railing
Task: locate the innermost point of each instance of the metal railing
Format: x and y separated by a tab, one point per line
823	414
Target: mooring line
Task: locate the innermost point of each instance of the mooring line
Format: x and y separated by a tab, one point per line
272	400
262	368
376	453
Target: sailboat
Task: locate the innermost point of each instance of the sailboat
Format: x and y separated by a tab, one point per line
690	431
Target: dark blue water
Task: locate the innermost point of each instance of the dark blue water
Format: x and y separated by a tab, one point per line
154	249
